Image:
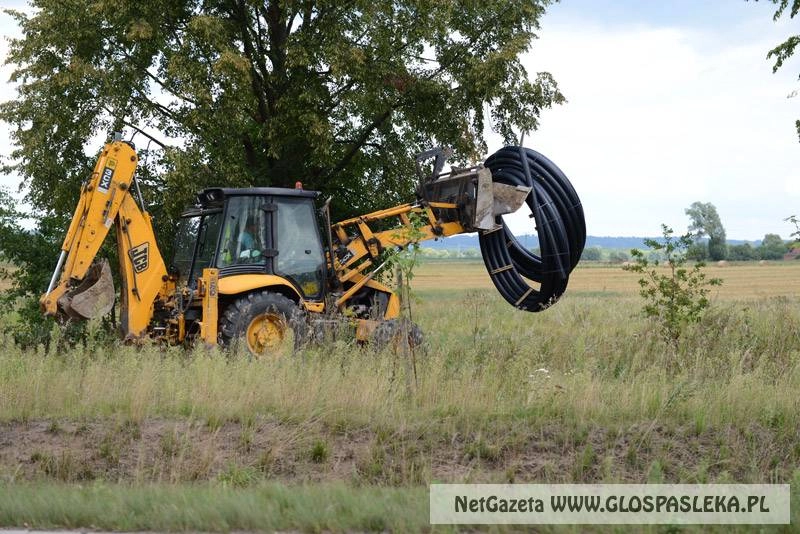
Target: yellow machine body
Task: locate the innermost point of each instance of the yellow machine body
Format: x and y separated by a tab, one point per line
218	304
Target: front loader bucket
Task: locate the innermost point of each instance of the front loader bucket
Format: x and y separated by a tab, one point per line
481	199
93	297
493	199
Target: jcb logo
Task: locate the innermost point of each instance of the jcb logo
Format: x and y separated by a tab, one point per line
140	257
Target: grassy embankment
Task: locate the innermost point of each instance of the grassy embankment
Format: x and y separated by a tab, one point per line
583	392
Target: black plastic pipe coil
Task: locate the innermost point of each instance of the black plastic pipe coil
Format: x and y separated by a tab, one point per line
559	222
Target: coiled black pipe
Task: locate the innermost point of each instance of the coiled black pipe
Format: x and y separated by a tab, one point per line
559	223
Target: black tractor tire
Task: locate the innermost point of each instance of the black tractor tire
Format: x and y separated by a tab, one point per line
261	322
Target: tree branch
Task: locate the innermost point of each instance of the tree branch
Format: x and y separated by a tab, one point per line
356	145
257	81
157	80
134	127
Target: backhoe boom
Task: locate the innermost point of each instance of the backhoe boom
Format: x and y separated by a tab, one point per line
84	287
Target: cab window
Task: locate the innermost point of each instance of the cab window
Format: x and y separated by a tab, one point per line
243	239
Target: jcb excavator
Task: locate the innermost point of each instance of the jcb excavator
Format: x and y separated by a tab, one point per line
250	264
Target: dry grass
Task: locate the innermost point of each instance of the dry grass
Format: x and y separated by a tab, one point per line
743	281
604	365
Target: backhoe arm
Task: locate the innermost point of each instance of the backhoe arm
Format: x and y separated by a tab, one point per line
84	288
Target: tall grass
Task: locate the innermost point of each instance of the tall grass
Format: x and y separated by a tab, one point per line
587	360
331	507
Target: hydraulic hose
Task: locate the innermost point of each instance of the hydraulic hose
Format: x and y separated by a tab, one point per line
559	223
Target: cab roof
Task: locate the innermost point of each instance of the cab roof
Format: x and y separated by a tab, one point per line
211	199
218	194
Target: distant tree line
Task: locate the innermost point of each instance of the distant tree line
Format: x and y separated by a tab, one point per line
772	248
708	243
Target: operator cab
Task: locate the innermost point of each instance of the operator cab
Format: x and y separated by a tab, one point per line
261	230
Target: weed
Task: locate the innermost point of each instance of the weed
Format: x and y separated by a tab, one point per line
319	452
170	444
64	467
510	474
246	437
655	475
214	422
38	457
266	461
239	476
584	462
372	468
481	450
130	429
109	450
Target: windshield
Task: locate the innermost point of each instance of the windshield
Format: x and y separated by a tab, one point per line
244	237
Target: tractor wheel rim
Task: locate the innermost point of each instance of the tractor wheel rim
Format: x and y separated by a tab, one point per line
265	333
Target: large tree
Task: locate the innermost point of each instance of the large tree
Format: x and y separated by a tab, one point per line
336	94
339	95
706	222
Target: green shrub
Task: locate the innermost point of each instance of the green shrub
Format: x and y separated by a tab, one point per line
678	297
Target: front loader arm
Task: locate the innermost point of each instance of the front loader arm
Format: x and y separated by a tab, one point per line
358	246
106	200
459	201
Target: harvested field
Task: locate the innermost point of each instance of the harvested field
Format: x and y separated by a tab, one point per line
742	281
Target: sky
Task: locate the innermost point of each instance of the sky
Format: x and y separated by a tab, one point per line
668	103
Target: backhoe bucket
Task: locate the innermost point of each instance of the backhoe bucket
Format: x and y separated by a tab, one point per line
94	297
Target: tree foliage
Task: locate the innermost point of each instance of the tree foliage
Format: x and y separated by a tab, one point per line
773	247
338	95
706	222
592	254
743	252
796	222
786	49
33	250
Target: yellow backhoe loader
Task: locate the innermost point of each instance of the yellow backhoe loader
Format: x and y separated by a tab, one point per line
261	264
